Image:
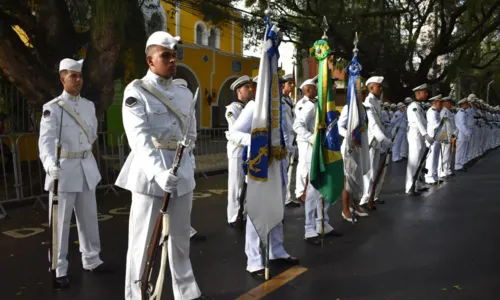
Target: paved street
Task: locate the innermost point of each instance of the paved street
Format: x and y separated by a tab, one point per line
442	245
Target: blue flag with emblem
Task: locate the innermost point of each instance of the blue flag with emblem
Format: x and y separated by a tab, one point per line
267	150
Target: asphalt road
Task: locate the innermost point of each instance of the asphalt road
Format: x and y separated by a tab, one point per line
441	245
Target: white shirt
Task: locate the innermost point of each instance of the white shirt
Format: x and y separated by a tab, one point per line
376	129
416	118
233	112
433	120
76	174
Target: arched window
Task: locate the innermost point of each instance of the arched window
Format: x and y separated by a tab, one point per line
214	38
200	34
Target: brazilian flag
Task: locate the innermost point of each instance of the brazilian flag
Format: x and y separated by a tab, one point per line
327	170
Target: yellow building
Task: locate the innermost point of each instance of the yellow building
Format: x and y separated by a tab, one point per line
210	59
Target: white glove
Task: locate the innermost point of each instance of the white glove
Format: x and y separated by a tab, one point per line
311	139
429	139
54	171
167	181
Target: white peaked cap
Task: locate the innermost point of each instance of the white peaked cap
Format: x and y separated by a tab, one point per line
288	76
311	81
255	79
471	97
386	104
239	82
375	79
71	65
393	105
463	101
400	105
162	38
437	97
408	99
421	87
180	81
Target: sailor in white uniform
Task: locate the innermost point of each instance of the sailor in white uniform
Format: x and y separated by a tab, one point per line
155	112
417	135
399	127
445	159
78	174
243	87
433	120
464	135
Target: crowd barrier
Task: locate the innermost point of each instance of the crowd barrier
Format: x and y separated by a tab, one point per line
22	175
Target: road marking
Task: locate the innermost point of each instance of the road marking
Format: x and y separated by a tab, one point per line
271	285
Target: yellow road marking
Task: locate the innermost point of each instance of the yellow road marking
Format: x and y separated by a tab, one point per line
271	285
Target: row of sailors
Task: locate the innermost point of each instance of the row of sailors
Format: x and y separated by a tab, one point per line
413	123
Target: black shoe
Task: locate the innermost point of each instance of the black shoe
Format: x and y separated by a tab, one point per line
414	193
259	275
62	283
204	298
232	224
289	261
293	204
424	189
334	233
100	269
379	201
316	240
199	237
365	207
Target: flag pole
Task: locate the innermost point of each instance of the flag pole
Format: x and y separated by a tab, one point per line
355	53
324	25
266	260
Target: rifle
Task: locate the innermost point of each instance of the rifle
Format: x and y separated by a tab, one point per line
424	156
161	228
382	170
54	208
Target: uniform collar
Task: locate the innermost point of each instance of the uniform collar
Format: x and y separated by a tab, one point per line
67	96
239	102
163	82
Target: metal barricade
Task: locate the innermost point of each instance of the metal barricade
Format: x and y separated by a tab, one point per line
107	153
8	172
30	172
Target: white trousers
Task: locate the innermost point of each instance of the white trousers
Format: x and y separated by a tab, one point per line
369	177
404	145
314	213
143	213
290	168
252	244
85	207
235	180
461	157
416	144
444	166
431	163
300	177
471	150
397	148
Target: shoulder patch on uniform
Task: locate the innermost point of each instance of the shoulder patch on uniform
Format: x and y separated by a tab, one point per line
300	108
130	101
230	114
46	113
415	109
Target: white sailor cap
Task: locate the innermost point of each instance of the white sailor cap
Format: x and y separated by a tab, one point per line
393	105
386	104
463	101
375	79
421	87
71	65
180	81
164	39
255	79
311	81
437	97
447	98
239	82
408	100
471	97
287	77
400	105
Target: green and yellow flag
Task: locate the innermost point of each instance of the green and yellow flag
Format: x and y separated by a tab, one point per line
327	170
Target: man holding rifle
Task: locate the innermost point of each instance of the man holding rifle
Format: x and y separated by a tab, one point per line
72	174
156	116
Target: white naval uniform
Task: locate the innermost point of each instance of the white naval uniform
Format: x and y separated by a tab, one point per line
376	136
417	128
240	133
444	166
431	163
304	128
147	119
288	117
464	135
398	122
404	144
78	177
235	178
301	171
385	116
471	151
